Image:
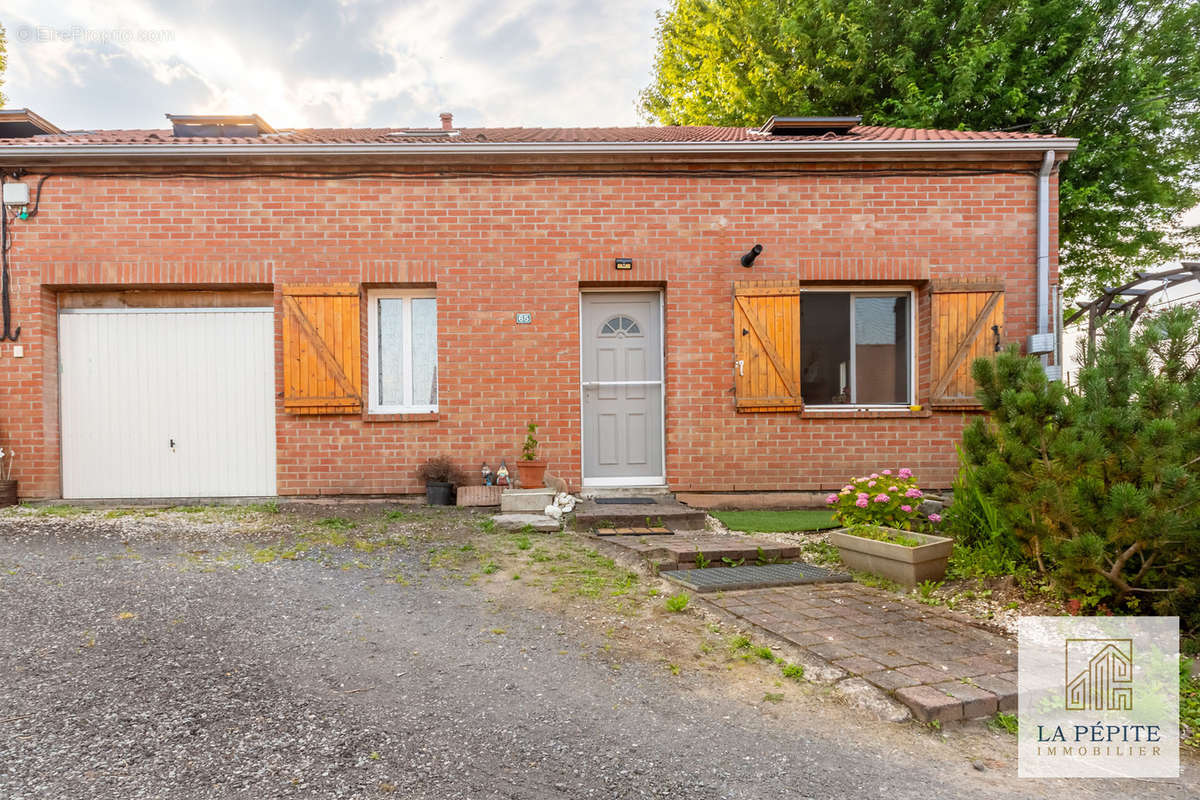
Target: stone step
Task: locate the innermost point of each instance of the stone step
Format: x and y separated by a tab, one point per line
691	549
525	501
590	515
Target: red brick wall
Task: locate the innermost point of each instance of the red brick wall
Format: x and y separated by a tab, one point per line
495	246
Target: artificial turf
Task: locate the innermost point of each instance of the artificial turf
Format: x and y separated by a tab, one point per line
776	521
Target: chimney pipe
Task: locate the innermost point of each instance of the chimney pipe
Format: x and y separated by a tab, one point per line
447	121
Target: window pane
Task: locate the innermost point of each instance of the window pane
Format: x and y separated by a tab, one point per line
825	347
881	350
390	367
424	357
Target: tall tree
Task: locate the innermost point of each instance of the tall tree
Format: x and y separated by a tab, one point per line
1121	75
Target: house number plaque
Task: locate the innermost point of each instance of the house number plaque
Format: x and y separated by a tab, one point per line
524	318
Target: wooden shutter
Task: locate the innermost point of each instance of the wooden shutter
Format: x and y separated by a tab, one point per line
966	324
766	333
322	372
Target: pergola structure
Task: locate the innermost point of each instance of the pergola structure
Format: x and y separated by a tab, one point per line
1132	298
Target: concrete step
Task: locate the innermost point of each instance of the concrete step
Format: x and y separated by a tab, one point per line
525	501
665	513
515	522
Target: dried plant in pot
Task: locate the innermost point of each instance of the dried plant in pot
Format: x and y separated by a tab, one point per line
8	487
441	476
885	532
531	470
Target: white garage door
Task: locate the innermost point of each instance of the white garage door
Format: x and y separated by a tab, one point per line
167	402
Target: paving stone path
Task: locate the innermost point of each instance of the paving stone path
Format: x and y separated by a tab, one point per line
934	661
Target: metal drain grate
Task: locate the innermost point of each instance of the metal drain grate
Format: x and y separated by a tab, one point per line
755	577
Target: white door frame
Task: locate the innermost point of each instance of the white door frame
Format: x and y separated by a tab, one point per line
640	481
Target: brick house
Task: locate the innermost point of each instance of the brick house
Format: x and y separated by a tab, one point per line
225	309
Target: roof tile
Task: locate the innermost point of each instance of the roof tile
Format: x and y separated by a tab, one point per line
637	135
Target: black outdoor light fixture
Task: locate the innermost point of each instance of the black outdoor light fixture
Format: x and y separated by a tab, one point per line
748	259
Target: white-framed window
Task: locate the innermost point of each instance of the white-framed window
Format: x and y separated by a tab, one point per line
402	351
857	348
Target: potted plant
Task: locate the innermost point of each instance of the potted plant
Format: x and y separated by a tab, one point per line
8	487
530	469
884	530
441	476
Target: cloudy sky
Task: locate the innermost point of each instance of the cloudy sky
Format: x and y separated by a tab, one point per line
124	63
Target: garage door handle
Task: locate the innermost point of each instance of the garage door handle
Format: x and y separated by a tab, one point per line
172	441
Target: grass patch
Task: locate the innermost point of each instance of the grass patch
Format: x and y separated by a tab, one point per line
678	602
336	524
777	521
876	581
1004	722
793	672
59	511
764	653
820	553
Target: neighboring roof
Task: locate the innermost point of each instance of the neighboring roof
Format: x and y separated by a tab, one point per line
20	123
468	136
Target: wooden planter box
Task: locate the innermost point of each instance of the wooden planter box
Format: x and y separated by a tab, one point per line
904	565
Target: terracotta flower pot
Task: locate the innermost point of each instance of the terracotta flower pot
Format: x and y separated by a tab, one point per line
906	565
8	493
530	473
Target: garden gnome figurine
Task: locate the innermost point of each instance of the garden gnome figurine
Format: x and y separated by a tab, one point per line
502	474
488	477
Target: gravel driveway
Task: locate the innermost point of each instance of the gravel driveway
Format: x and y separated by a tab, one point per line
138	662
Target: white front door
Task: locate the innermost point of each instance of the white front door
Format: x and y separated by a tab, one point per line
167	402
622	389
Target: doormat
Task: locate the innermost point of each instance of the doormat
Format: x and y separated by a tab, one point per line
626	501
719	579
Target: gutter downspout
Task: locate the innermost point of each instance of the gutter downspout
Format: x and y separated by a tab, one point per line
1043	245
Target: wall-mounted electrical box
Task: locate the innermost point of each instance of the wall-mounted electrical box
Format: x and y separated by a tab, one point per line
16	194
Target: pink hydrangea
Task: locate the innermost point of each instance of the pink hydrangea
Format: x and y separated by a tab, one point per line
905	473
906	509
887	472
893	489
882	498
831	499
913	492
870	483
935	517
861	502
863	495
847	488
874	474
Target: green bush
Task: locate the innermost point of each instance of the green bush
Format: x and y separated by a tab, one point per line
1099	488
